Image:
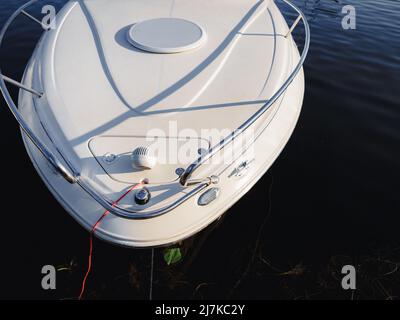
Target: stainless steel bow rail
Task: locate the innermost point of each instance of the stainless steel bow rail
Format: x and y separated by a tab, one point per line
184	179
72	176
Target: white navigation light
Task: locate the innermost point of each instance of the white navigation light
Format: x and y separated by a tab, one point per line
142	159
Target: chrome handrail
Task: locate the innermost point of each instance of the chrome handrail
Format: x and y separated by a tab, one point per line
58	166
69	174
74	178
184	179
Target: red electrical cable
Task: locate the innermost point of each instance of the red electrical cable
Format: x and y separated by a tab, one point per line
95	226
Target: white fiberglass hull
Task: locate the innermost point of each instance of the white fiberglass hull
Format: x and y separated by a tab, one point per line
82	135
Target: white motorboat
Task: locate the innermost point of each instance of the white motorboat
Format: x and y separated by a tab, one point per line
188	101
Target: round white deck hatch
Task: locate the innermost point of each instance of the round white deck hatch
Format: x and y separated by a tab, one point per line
166	35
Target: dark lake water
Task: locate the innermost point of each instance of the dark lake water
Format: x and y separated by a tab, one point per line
332	197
